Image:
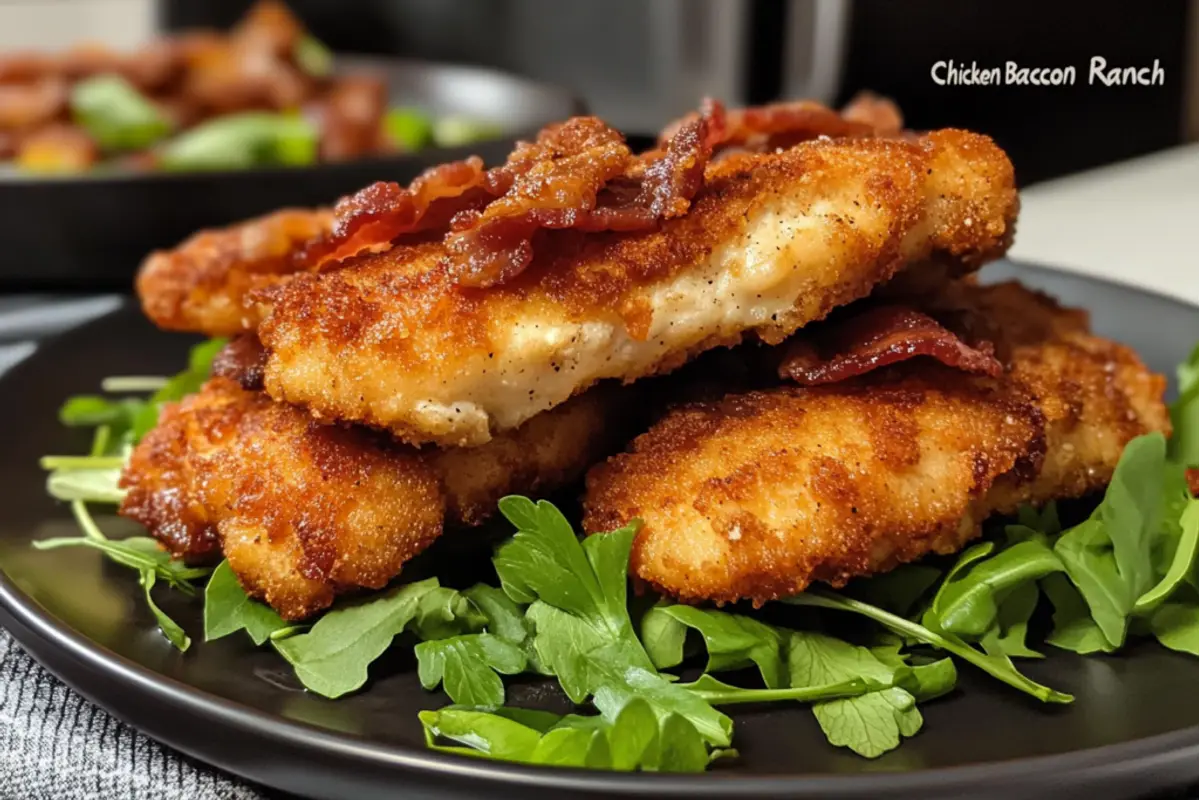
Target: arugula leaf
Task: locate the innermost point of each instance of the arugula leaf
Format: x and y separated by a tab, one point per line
663	637
467	666
1111	557
1185	439
1074	627
733	641
88	411
665	698
137	552
719	693
140	553
1007	635
1177	626
177	387
1182	561
635	738
91	485
331	658
169	627
968	602
491	735
929	681
227	609
899	590
998	667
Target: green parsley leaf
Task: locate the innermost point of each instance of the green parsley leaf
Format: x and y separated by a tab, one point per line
870	724
331	658
576	591
227	609
444	612
467	666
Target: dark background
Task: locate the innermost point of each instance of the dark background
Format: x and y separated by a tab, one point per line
889	47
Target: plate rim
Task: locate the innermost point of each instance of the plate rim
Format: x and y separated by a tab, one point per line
1169	757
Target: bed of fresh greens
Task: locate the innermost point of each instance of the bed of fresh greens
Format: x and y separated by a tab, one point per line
559	608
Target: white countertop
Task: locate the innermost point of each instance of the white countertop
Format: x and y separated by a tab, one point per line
1134	222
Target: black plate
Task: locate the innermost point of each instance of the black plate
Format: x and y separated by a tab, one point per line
1131	730
91	230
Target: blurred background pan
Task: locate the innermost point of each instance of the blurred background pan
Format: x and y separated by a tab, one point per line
91	230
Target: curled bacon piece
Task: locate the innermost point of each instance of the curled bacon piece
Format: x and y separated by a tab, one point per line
577	174
778	125
372	217
557	191
880	113
877	337
590	182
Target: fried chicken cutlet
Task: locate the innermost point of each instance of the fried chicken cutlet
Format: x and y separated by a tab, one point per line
757	495
203	284
772	241
305	511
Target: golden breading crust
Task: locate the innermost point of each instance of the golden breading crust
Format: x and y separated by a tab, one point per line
755	496
202	285
772	242
305	511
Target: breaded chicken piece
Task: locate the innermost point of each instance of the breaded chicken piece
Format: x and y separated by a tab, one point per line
305	511
202	285
758	495
770	243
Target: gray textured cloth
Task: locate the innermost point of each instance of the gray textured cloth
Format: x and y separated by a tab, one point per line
54	745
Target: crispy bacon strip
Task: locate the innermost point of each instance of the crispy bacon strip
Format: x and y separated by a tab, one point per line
577	174
779	125
877	337
580	158
661	184
372	217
